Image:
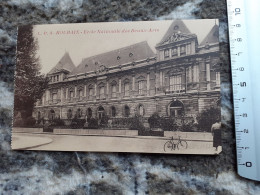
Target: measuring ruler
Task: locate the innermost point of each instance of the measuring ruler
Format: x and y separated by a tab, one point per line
244	38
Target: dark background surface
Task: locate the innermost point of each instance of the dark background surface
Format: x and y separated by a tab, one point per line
27	172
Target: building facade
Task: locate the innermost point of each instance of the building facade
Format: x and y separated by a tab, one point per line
181	79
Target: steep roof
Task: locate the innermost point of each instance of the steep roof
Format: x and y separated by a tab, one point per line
65	63
177	26
212	37
135	52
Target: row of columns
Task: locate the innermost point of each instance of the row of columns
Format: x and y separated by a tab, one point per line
48	95
159	80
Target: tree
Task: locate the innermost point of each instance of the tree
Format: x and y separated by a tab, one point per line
208	117
29	83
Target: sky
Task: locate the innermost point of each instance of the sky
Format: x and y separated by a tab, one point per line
88	39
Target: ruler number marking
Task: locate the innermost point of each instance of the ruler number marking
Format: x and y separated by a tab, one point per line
243	84
248	164
237	11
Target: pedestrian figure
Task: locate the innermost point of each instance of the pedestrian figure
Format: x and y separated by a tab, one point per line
216	132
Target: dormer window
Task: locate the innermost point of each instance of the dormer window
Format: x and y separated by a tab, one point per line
166	53
183	50
118	58
130	55
174	52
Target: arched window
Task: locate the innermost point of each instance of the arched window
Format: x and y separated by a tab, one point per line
126	88
175	83
71	94
80	93
101	112
54	96
141	110
113	111
101	92
69	114
89	113
79	113
52	114
113	90
141	85
39	115
176	109
91	92
126	111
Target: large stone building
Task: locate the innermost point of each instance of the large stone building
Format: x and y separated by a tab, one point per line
181	78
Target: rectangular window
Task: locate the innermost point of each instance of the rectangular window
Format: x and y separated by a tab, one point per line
174	52
188	49
102	92
175	83
71	94
166	53
57	77
189	74
80	94
126	88
183	50
91	93
196	74
208	72
113	91
140	87
54	96
203	72
217	79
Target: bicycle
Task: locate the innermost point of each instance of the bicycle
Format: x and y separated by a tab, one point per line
170	145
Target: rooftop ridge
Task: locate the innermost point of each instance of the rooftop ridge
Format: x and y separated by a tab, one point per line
211	36
121	48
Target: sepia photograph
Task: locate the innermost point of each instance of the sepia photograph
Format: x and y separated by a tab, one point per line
140	87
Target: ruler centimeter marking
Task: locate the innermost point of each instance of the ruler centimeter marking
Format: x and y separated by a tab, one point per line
242	90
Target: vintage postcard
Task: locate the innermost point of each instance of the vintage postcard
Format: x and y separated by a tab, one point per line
145	87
